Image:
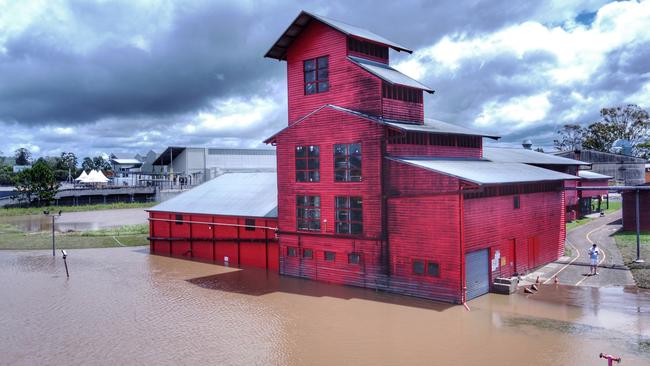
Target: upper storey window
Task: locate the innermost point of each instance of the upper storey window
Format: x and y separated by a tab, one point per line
347	162
367	48
401	93
307	163
316	75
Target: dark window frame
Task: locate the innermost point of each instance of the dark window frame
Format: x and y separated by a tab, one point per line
428	269
415	266
350	169
516	202
320	83
356	255
348	215
179	219
308	213
403	93
307	253
329	256
292	251
250	224
367	48
425	269
311	157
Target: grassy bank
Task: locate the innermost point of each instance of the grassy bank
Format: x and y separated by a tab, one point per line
130	235
613	206
39	210
626	242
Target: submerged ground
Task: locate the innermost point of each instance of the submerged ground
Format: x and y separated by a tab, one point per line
124	306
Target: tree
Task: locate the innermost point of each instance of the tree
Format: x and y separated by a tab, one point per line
88	164
38	182
101	163
23	156
68	161
6	175
629	122
569	138
540	149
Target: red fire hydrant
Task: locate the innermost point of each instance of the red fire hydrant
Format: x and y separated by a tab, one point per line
610	359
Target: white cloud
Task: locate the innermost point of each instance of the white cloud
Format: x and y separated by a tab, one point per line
517	112
233	114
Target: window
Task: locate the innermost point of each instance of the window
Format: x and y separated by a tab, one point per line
307	163
367	48
330	256
347	162
402	93
179	219
308	253
291	251
316	75
433	269
349	215
250	224
354	258
418	267
308	213
516	202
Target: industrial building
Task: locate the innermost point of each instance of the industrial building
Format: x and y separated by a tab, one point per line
188	166
371	193
624	169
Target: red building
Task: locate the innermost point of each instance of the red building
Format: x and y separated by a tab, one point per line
373	194
231	219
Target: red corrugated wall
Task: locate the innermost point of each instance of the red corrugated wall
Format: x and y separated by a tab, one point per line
434	151
629	211
193	239
350	86
402	110
326	128
594	183
537	228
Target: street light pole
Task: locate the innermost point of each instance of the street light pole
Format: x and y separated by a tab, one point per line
53	216
638	231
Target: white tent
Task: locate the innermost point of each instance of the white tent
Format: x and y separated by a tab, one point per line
82	177
100	177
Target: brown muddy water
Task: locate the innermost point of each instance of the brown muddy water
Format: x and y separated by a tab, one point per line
123	306
78	221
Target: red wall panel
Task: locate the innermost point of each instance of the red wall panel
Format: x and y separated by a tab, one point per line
434	151
402	110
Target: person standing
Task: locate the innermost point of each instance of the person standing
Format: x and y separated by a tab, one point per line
594	252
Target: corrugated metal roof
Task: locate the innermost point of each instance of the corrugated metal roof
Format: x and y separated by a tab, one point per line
388	74
586	174
232	194
435	126
514	155
487	172
126	161
279	49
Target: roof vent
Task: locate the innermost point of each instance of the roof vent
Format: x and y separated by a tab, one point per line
527	144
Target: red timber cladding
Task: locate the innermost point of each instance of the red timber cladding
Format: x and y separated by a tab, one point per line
209	238
629	211
350	86
326	128
571	194
402	110
537	229
368	57
424	224
594	183
434	151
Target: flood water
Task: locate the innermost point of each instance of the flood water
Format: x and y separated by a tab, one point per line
78	221
123	306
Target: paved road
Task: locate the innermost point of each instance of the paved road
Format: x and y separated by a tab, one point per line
574	270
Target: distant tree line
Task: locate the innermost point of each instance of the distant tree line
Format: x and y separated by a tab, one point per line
41	181
629	122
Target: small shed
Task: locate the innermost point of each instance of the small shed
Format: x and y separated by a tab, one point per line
231	219
629	209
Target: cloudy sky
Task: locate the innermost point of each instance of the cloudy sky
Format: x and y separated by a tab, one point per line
128	76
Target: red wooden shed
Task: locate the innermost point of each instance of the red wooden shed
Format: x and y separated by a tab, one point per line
231	219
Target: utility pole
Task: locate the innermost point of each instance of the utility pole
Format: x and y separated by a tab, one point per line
638	231
53	216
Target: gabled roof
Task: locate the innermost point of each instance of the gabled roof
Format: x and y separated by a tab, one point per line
126	161
518	155
588	175
279	49
231	194
486	172
388	74
429	126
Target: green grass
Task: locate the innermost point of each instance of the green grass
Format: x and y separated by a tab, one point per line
39	210
626	242
613	206
130	235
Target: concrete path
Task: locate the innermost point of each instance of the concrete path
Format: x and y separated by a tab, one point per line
574	270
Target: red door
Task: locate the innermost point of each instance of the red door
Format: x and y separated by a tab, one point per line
533	252
507	260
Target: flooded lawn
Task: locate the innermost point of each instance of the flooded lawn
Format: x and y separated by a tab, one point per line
124	306
78	221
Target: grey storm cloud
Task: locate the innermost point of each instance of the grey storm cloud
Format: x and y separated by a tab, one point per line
128	75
